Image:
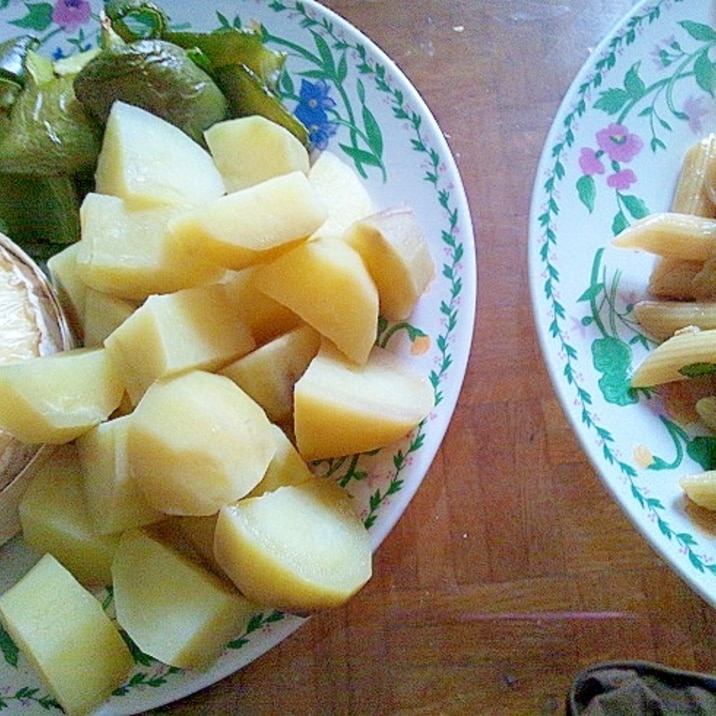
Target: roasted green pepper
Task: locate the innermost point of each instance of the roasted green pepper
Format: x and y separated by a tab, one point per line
13	54
48	131
47	223
248	95
157	76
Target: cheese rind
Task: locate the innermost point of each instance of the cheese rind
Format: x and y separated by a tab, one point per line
31	324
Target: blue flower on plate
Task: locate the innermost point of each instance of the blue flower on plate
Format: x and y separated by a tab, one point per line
314	103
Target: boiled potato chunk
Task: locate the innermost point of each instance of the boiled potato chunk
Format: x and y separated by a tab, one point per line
239	229
172	607
342	192
341	408
300	548
55	398
195	328
199	533
397	256
129	252
147	160
265	317
197	442
269	373
287	467
327	284
55	519
69	287
103	314
112	496
249	150
62	629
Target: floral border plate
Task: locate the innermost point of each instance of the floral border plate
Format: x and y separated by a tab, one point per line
611	157
358	104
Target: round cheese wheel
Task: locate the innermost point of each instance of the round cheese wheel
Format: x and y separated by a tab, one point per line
31	324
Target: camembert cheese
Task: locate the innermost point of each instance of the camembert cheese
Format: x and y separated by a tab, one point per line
31	324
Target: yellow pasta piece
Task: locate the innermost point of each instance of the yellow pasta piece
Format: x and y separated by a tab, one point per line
701	488
674	278
704	283
682	356
706	410
670	234
664	318
692	194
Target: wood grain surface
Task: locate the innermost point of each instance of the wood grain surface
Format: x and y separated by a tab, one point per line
512	568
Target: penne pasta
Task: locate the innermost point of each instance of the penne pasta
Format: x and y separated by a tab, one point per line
692	194
704	283
671	234
664	318
701	488
706	410
674	279
688	353
682	313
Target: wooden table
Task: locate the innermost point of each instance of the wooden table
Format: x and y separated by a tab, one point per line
512	568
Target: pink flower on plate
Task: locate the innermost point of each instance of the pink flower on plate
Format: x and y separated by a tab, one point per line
695	110
618	143
70	14
622	179
589	162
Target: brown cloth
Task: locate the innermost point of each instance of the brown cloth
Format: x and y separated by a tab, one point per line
640	688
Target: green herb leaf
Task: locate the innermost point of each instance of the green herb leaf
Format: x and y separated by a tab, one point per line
9	648
694	370
702	449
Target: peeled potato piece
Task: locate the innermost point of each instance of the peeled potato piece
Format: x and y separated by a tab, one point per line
249	150
287	467
241	228
269	373
300	547
327	284
128	251
196	442
266	318
397	256
111	494
171	606
341	408
66	635
195	328
55	519
55	398
148	161
69	287
342	192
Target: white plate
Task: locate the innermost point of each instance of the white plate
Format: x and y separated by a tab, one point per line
377	120
613	154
